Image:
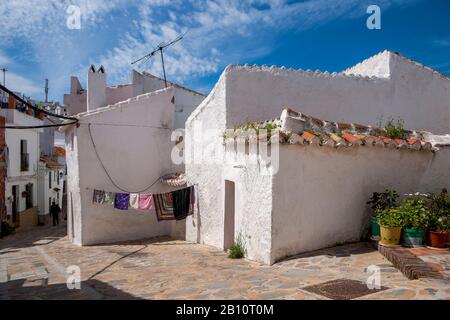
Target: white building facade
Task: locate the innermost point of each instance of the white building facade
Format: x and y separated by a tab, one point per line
315	196
132	140
50	187
21	190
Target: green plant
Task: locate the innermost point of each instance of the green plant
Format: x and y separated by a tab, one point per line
414	212
393	130
439	204
391	217
237	250
383	200
439	212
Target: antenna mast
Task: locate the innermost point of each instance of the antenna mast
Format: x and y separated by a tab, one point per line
160	48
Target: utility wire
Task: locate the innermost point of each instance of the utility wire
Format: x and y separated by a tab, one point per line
29	105
109	176
124	125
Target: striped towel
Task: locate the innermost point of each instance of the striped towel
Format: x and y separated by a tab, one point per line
163	206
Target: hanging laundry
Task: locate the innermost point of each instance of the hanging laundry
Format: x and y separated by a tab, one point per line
145	201
109	198
134	200
183	203
163	206
121	201
99	197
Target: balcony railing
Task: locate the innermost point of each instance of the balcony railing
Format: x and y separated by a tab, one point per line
24	162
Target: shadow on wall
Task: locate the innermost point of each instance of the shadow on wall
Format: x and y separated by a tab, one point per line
23	289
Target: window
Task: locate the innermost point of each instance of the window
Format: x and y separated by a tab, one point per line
24	156
29	198
57	177
49	180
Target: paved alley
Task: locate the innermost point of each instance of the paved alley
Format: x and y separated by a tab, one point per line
34	265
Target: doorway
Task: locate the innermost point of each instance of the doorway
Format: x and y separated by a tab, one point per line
14	207
229	217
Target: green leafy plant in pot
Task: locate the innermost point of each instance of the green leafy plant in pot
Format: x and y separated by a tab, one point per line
379	202
415	216
439	220
391	222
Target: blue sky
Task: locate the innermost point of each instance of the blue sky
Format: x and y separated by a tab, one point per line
331	35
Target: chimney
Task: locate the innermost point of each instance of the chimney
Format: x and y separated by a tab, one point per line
96	88
75	86
11	102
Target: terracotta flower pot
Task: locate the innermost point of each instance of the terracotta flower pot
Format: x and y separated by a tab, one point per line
438	239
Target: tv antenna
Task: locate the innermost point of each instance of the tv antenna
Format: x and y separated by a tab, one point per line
160	48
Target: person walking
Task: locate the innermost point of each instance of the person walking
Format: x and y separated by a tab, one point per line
54	211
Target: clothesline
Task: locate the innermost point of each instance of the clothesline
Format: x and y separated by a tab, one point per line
174	205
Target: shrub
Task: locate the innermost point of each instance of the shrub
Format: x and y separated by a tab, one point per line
392	217
237	250
414	212
439	212
395	130
383	200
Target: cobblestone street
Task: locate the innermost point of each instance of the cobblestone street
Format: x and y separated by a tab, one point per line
33	265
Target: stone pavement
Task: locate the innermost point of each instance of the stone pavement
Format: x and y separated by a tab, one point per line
33	265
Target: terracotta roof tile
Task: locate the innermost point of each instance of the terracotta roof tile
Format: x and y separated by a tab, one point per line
354	140
59	151
310	137
323	132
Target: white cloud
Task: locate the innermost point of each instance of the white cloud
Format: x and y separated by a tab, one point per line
4	60
219	32
23	85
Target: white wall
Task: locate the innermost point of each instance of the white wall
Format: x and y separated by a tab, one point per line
258	94
206	225
46	192
320	193
414	93
12	138
133	141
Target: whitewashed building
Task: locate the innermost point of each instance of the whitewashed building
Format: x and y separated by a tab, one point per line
21	190
50	186
315	194
131	141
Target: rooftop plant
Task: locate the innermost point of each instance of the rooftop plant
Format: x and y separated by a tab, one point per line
393	129
254	126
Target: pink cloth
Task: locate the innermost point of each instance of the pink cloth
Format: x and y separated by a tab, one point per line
145	201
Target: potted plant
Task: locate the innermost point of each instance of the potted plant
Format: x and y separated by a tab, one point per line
438	220
415	216
379	202
391	222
